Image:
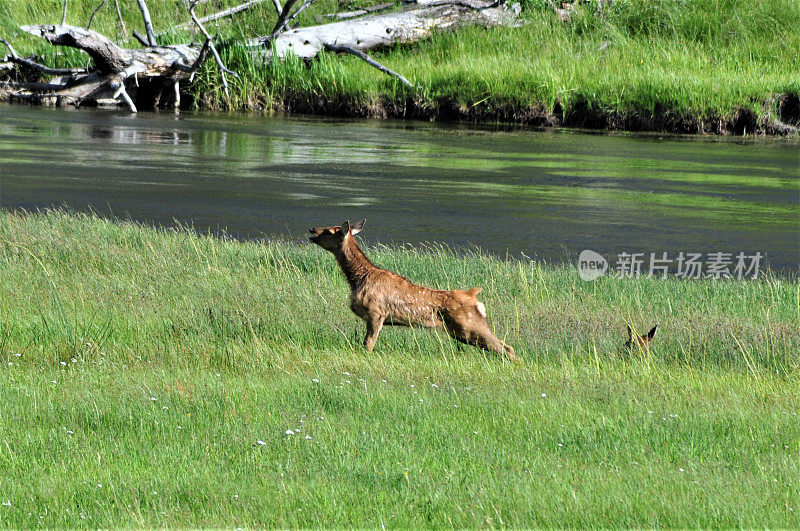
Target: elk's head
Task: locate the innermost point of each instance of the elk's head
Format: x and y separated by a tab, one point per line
332	238
642	342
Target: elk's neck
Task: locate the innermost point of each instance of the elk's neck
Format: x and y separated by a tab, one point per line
354	263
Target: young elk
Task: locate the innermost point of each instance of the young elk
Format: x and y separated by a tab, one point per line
381	297
642	342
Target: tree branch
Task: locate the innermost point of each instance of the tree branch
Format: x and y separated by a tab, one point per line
210	43
148	24
284	19
359	12
91	19
369	60
16	59
141	38
121	21
223	14
64	15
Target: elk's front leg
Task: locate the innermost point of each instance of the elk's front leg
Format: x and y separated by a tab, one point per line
374	325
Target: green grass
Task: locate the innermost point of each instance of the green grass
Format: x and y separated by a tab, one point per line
694	65
139	368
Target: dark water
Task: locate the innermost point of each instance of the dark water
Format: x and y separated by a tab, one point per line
547	195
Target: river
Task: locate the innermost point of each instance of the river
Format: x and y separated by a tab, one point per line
510	192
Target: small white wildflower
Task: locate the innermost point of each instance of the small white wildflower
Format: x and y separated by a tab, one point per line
475	432
11	363
434	385
321	418
99	485
74	360
235	496
180	427
53	381
70	432
560	445
544	395
289	432
260	442
420	400
308	437
412	385
346	373
153	398
7	503
347	381
384	381
63	362
163	407
315	380
18	354
680	470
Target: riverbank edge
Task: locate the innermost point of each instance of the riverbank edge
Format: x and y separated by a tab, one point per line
778	119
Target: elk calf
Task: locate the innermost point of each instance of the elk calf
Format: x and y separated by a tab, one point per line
643	342
381	297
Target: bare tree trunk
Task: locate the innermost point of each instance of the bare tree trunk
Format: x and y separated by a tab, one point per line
375	31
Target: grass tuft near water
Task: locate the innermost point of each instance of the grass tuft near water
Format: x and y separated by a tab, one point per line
716	66
156	377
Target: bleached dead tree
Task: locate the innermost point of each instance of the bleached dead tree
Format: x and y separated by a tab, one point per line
115	71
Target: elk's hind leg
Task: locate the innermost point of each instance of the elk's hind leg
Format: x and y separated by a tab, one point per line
475	331
481	336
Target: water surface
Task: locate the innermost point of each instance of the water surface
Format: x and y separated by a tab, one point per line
546	195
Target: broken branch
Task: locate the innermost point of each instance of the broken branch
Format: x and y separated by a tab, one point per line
91	18
223	14
148	24
210	43
359	12
16	59
121	21
369	60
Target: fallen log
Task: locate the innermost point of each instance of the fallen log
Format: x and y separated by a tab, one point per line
113	65
375	31
117	70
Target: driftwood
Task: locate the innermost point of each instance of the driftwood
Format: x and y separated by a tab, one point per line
375	31
116	71
113	66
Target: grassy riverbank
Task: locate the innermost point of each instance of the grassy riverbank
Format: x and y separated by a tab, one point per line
149	378
717	66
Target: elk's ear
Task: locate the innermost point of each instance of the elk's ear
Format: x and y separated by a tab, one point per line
356	228
652	333
345	227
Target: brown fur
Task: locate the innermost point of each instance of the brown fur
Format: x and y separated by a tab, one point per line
642	342
381	297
